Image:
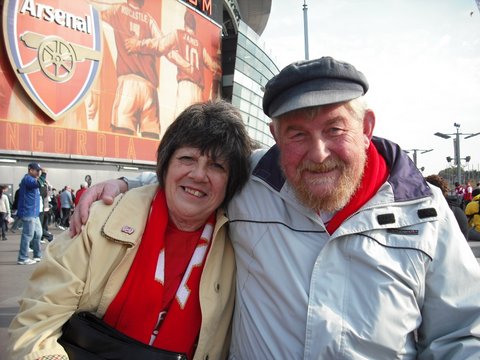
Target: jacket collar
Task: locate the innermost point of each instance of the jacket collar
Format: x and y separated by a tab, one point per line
405	179
129	214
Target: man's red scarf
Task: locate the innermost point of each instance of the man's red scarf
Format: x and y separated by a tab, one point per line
138	309
375	174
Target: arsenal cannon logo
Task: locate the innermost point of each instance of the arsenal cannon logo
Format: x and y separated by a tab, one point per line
54	47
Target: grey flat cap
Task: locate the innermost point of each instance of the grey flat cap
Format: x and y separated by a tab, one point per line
312	83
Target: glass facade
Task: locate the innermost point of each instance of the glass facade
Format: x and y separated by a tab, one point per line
253	68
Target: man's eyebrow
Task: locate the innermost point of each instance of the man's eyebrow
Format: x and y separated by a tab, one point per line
336	119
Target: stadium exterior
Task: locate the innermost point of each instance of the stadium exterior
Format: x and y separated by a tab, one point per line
88	139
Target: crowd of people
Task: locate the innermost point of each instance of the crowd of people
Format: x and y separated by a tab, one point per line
35	207
330	244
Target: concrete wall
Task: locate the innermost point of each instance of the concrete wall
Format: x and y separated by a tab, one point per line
61	174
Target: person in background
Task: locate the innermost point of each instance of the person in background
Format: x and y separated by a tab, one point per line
473	214
460	192
57	217
4	211
157	264
83	187
66	202
45	190
338	234
441	183
29	204
468	195
17	222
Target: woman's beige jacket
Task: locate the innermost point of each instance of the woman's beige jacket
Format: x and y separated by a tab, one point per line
85	273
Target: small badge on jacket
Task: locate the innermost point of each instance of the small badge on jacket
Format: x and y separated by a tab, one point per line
127	230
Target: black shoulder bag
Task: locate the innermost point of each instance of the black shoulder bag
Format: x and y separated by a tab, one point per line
86	337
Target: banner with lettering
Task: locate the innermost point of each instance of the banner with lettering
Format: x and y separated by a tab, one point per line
153	58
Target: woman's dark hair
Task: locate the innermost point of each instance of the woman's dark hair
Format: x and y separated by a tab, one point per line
216	128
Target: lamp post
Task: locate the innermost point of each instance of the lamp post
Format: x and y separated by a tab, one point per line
305	27
456	147
415	151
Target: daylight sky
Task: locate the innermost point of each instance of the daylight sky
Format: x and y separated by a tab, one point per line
421	58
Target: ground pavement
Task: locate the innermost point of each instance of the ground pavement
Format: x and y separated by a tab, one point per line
13	279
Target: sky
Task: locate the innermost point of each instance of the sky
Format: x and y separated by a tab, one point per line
421	59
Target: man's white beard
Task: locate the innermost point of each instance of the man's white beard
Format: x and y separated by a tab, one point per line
347	184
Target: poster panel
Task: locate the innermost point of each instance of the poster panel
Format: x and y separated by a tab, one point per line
158	56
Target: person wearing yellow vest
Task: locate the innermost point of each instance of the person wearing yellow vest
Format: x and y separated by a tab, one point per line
472	212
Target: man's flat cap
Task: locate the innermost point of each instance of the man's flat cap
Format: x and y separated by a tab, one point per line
312	83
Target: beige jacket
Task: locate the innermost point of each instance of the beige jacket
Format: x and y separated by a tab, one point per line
85	273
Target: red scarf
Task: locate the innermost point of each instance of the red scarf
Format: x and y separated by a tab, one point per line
138	306
375	174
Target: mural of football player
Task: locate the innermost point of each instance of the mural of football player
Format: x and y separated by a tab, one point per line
183	48
135	109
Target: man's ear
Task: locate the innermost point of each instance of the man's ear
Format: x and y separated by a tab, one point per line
368	125
273	130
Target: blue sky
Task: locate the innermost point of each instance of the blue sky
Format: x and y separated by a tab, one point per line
421	57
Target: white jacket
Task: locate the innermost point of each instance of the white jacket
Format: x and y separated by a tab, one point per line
4	205
397	270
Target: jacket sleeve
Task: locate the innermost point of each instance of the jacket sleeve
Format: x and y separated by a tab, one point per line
450	326
31	182
145	178
52	295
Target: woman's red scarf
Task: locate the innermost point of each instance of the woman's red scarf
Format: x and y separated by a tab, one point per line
139	305
375	174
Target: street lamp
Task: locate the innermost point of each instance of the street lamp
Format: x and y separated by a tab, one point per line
456	147
415	154
305	28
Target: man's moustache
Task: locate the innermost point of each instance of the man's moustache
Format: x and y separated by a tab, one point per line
324	167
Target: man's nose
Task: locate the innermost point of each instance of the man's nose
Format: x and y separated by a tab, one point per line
319	150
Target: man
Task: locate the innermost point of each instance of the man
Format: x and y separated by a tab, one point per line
472	210
29	212
78	194
342	248
66	203
467	196
45	207
460	192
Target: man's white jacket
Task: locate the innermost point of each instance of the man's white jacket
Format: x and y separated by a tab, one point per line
396	280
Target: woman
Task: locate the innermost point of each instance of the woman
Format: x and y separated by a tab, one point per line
472	211
4	211
157	264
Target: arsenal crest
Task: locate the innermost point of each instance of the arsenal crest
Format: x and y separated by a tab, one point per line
55	50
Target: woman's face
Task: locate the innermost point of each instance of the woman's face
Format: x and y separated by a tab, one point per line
195	187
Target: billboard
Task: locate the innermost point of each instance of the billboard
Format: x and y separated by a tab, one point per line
154	58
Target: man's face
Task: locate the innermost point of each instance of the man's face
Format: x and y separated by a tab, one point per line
323	156
35	173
